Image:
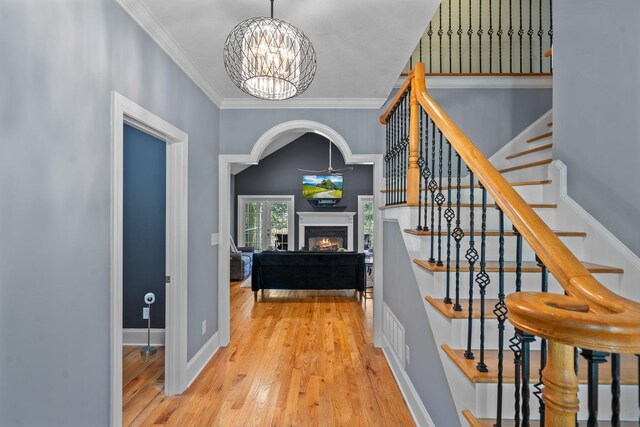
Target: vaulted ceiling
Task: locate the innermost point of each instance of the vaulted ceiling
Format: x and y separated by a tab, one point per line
361	45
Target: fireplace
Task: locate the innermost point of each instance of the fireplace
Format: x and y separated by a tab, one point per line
325	238
332	222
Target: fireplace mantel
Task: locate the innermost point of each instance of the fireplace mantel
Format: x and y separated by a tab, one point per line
310	219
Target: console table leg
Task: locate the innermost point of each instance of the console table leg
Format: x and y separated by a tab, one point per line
255	296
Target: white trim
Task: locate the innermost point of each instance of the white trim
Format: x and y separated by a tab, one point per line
419	413
224	171
290	199
325	219
123	110
148	22
201	358
138	336
312	103
362	199
485	82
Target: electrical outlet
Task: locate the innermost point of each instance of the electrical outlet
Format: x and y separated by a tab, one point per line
204	327
407	354
145	313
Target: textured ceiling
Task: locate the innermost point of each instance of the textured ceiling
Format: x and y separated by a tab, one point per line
361	45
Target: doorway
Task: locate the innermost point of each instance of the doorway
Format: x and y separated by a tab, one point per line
266	222
175	146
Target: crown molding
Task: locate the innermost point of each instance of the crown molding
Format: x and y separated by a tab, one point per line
317	103
485	82
143	17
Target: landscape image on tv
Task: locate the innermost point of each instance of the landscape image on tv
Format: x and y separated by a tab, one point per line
322	186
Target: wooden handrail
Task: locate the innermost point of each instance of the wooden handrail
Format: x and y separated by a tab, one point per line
406	86
590	316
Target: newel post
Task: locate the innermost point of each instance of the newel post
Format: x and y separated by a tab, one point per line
413	173
560	392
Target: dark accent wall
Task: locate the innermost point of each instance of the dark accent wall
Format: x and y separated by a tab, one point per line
278	174
144	214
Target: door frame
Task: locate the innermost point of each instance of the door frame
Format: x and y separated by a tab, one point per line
362	199
282	198
224	223
126	111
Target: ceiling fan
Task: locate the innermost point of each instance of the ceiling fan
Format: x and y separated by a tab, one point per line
330	170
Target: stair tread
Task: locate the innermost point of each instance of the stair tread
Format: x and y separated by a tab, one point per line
490	422
493	233
510	267
533	150
526	166
539	137
475	205
549	124
513	184
448	311
628	367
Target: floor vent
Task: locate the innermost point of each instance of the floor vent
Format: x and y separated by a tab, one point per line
394	331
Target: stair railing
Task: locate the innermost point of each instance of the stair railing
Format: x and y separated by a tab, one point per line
589	316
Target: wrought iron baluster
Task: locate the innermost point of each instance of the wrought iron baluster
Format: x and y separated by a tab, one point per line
430	35
458	235
405	145
520	34
440	33
594	358
440	201
386	165
490	34
480	32
433	186
499	33
550	33
518	259
472	257
396	152
449	214
510	34
420	49
449	34
526	340
482	278
540	32
615	390
427	173
501	312
516	347
543	346
459	32
420	168
530	34
470	34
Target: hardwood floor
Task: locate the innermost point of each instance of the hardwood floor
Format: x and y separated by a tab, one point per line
142	381
295	359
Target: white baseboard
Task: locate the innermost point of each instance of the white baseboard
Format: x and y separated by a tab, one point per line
411	397
138	336
202	357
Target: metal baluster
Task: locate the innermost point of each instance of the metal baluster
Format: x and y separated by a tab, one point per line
430	34
480	35
472	257
550	32
510	34
482	278
427	173
420	49
594	358
526	340
515	341
440	32
575	369
615	390
458	234
520	34
470	33
459	32
543	346
395	158
530	34
440	200
450	33
392	154
499	36
490	33
433	186
421	169
500	311
448	215
386	165
540	31
405	145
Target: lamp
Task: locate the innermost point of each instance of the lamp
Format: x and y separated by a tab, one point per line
269	58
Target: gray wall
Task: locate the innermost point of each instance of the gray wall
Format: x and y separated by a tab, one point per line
493	117
403	297
278	174
596	123
240	129
60	62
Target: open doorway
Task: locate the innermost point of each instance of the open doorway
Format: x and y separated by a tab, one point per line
169	216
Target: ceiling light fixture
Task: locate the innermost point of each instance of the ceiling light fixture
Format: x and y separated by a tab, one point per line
269	58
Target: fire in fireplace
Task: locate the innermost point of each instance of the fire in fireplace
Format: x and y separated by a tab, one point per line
325	238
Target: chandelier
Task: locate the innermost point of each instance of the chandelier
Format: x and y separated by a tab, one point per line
269	58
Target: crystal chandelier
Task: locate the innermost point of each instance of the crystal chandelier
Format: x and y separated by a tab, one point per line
269	58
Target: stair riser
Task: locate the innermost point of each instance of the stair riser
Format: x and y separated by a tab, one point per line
492	247
486	402
532	157
459	336
529	174
531	193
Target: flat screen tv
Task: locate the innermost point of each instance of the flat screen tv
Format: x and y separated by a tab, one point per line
322	186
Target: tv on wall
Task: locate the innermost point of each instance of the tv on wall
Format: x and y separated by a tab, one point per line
322	186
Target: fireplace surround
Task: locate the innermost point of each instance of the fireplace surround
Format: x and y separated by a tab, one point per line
328	220
325	238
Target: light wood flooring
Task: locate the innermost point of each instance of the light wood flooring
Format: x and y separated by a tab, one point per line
295	359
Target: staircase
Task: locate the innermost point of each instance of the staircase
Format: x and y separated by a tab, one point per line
468	255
